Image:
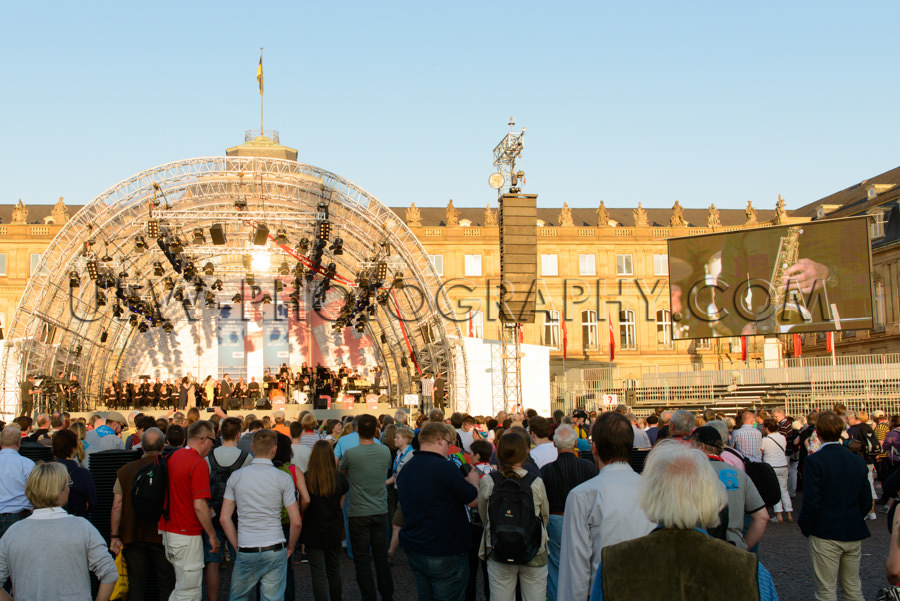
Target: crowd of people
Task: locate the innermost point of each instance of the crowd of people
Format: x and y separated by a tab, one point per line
544	508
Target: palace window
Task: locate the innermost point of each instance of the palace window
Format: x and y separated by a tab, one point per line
664	328
627	336
587	265
35	261
2	264
551	329
473	265
438	262
590	330
549	265
624	265
878	306
660	265
477	325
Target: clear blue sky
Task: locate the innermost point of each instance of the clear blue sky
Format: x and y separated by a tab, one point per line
623	101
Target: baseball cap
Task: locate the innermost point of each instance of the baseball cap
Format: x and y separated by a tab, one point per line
707	435
580	413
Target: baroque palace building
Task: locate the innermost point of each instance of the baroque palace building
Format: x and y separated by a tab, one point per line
594	266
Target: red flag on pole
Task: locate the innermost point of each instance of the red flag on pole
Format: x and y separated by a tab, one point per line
612	339
565	336
829	341
798	350
471	326
743	348
521	333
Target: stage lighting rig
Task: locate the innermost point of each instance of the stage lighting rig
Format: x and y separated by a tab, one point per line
261	235
279	285
331	271
383	298
211	300
398	281
101	299
237	299
281	238
74	280
323	230
298	270
190	271
106	258
284	268
168	327
266	299
158	269
297	283
322	211
303	246
142	328
133	320
209	268
198	237
140	244
179	294
168	283
153	228
199	284
92	270
337	247
175	246
217	285
187	304
117	310
251	281
381	271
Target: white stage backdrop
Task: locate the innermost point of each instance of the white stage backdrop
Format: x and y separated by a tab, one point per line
486	377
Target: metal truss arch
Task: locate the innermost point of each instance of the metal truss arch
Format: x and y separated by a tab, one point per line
58	328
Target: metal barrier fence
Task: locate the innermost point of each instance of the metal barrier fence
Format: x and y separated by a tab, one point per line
862	382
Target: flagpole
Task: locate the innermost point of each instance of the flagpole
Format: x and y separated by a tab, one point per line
260	94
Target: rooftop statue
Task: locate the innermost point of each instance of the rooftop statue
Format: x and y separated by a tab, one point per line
413	216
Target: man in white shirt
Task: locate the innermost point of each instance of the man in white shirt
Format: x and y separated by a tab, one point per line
544	450
14	471
258	492
602	511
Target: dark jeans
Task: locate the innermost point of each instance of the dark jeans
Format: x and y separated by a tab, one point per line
439	578
140	558
368	539
325	567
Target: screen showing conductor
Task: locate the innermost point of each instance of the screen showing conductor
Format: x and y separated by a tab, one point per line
804	277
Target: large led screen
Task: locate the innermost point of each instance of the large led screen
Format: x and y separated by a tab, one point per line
805	277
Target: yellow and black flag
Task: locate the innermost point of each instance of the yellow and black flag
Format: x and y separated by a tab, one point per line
259	76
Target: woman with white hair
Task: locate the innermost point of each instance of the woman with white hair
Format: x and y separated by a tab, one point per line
74	552
681	492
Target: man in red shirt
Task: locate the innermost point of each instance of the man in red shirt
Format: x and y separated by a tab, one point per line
189	512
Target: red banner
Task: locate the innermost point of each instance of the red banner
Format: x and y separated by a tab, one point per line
829	341
612	339
565	336
743	348
798	347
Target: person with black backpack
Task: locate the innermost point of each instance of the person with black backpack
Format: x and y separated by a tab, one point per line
223	461
513	505
862	441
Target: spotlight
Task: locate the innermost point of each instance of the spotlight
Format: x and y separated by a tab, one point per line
133	320
209	268
281	238
190	271
217	285
140	244
123	275
168	283
175	246
266	299
383	298
284	268
179	294
381	271
337	247
236	299
297	283
106	258
74	280
303	245
117	310
153	228
143	327
101	299
187	304
322	211
323	230
403	362
199	285
211	300
398	280
251	281
199	238
92	269
158	269
279	285
168	327
331	271
240	203
298	270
